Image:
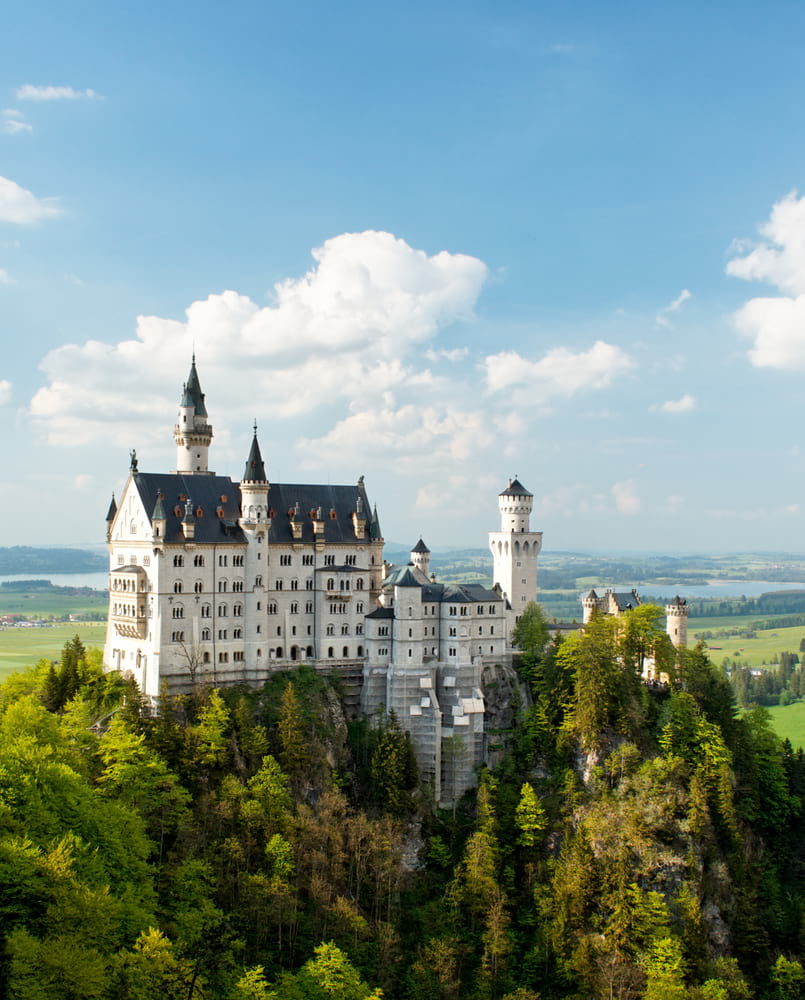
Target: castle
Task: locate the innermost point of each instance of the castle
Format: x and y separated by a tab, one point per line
225	582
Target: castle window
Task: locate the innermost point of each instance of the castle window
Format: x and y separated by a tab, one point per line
331	630
453	632
222	610
491	629
410	633
146	560
294	609
359	629
285	560
178	560
198	560
309	584
330	651
198	586
177	587
330	584
346	652
120	560
205	635
480	630
237	586
309	651
206	611
329	560
359	607
278	585
345	630
222	585
222	560
223	657
206	657
177	636
307	559
237	560
491	649
410	611
259	651
452	611
479	650
294	585
258	581
360	650
333	514
238	655
410	652
271	608
237	610
237	633
451	651
279	630
222	633
178	611
309	608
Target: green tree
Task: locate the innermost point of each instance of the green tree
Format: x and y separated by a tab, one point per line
529	817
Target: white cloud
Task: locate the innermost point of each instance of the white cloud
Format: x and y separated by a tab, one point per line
452	355
5	392
12	122
83	481
684	404
626	499
21	206
775	324
5	277
560	372
340	333
662	317
31	92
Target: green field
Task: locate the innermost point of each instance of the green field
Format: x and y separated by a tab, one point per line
22	647
57	602
789	722
754	652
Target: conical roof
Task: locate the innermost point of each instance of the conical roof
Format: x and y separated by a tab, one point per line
515	489
255	471
159	510
110	516
374	528
192	394
421	547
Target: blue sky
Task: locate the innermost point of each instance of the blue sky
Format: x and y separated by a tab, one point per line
435	244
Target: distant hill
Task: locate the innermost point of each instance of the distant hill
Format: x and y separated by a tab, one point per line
27	559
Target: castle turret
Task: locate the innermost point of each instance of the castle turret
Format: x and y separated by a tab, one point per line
255	522
110	516
254	486
158	520
420	556
192	433
676	622
515	548
589	604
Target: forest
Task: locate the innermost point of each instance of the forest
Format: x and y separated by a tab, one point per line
635	841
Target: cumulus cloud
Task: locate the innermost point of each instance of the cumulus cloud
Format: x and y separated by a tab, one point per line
5	277
663	316
5	392
684	404
560	372
20	206
340	332
626	499
775	324
31	92
453	354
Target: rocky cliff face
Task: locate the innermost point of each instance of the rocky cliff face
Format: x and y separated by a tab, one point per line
505	696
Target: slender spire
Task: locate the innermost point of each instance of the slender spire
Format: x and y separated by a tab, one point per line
255	471
374	529
112	510
159	509
192	394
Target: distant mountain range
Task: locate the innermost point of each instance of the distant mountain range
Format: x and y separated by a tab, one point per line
27	559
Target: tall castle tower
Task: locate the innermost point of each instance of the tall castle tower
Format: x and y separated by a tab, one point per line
192	433
676	622
515	548
255	522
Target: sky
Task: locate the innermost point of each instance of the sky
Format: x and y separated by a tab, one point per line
435	244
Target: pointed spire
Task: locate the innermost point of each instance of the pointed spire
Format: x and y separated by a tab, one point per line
110	516
159	509
255	471
192	394
421	548
374	529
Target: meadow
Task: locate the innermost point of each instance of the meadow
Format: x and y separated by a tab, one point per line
22	647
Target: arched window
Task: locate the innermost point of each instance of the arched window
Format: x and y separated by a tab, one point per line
206	611
222	585
360	650
346	652
177	587
237	610
205	635
178	560
198	560
410	611
359	583
198	586
309	651
330	651
258	581
279	652
345	630
331	630
330	583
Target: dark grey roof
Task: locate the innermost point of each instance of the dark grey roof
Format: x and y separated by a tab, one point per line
462	593
678	602
337	504
255	471
381	613
421	547
159	509
626	601
216	502
402	576
192	394
515	489
374	528
591	596
110	516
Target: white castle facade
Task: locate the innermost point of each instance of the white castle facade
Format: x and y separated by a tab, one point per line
218	581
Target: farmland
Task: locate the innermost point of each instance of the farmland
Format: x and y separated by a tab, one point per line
22	647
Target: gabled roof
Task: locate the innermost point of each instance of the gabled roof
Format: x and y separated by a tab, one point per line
337	505
591	596
215	499
402	576
255	471
515	489
421	547
626	601
462	593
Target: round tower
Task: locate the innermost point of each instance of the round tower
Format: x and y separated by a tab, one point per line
255	522
676	622
192	433
420	557
589	604
515	548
